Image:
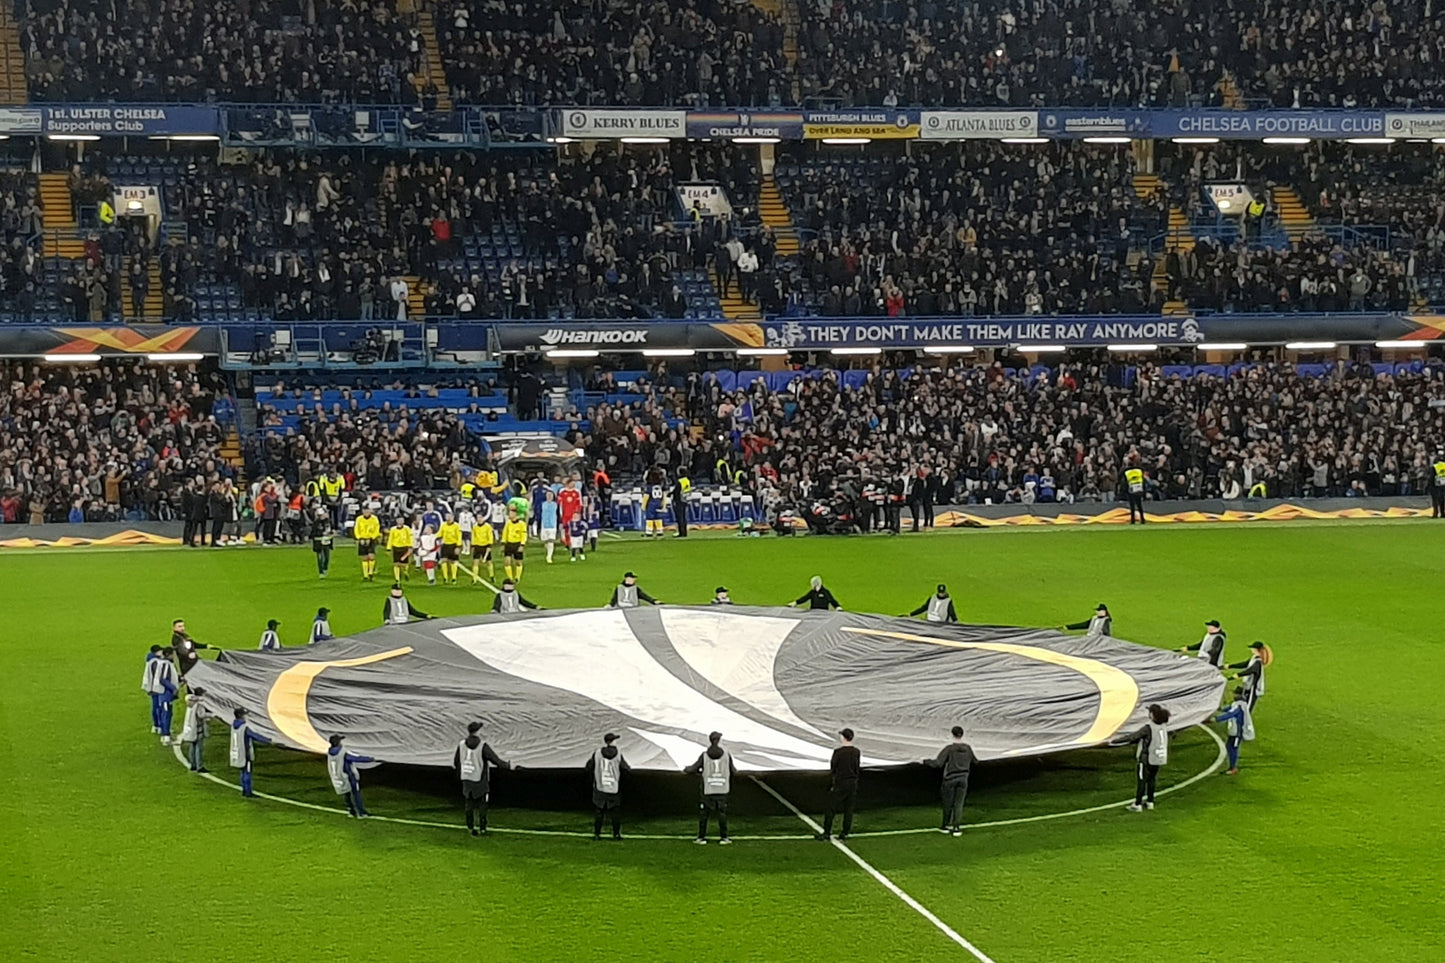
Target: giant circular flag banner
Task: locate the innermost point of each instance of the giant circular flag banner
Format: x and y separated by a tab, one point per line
777	683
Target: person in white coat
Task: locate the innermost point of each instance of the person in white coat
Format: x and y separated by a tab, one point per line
193	729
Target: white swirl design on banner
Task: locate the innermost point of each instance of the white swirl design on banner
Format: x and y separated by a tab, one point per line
596	655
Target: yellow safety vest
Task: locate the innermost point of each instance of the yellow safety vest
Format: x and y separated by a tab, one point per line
1256	209
467	489
106	213
313	488
1440	473
685	484
1135	477
333	488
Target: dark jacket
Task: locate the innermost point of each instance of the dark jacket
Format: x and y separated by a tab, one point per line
955	759
845	766
489	759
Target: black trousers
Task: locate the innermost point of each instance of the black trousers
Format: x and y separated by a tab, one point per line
894	517
475	803
842	798
681	512
714	804
217	525
955	791
1136	504
1144	787
188	534
915	508
606	806
1437	502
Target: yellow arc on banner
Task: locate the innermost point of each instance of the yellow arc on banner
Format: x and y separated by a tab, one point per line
1118	692
286	702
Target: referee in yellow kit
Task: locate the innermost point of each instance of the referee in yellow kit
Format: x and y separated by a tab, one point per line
399	539
450	537
514	541
367	532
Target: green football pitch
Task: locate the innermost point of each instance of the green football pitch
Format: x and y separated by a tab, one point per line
1327	846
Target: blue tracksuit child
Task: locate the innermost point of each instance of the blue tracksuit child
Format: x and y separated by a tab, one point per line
1241	727
151	687
243	749
341	767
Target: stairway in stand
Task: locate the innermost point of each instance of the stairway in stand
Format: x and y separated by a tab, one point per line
774	213
1178	238
435	71
12	61
231	453
154	307
415	297
58	208
734	307
1294	217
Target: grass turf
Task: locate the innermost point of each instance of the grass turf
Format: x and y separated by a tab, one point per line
1325	847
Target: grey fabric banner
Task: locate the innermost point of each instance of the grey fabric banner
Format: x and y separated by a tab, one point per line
778	683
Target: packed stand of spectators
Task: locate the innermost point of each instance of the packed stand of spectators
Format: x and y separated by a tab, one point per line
1314	274
694	53
1399	188
22	269
948	53
296	236
1253	265
380	449
106	442
973	229
256	51
984	434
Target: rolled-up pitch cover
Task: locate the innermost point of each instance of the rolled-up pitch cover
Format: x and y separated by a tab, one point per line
777	682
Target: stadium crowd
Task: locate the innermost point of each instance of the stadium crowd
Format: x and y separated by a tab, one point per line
257	51
106	442
301	236
975	229
694	53
384	449
730	53
982	434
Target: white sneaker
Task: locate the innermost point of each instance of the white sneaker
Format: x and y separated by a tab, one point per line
1135	808
699	841
955	832
1148	805
165	740
724	841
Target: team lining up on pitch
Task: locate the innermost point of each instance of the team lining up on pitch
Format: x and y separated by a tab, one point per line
166	668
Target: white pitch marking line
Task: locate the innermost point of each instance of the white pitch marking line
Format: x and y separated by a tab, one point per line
887	883
1214	767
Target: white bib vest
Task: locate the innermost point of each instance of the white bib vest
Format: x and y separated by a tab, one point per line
508	602
1158	751
717	774
472	764
627	596
336	769
606	773
938	608
400	611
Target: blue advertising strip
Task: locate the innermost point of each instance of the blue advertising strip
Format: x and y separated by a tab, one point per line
810	334
730	123
1258	124
131	120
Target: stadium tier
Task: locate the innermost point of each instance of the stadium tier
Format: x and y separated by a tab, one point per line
125	441
721	232
717	53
